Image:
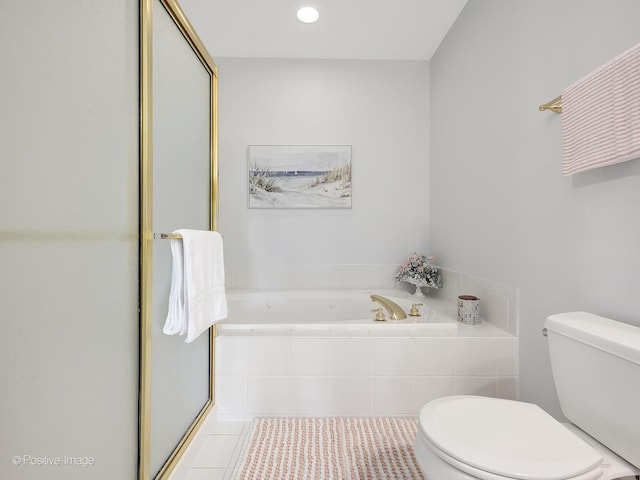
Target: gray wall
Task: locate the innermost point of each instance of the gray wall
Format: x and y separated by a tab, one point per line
68	237
378	107
500	208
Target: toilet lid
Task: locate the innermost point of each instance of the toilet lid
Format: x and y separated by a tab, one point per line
508	438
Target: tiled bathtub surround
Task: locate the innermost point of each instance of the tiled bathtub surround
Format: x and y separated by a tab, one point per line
302	372
312	277
498	302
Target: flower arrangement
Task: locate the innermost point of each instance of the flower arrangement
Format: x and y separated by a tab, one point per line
418	270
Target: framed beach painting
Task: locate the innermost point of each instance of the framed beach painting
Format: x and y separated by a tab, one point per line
299	176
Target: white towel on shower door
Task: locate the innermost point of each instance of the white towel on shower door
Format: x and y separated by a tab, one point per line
198	299
176	323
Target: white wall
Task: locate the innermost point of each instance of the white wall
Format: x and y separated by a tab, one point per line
68	238
378	107
500	208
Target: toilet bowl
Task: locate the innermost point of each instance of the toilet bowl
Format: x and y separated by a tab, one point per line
470	437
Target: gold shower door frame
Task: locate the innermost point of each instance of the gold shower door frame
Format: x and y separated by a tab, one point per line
146	226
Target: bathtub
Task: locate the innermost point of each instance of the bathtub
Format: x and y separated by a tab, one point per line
320	353
344	309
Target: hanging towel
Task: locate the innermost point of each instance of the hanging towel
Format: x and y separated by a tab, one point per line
601	115
176	324
197	298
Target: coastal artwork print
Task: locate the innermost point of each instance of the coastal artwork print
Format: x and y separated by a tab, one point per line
299	176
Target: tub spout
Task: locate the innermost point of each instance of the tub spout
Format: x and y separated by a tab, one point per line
395	311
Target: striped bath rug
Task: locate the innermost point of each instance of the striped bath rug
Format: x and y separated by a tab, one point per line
336	448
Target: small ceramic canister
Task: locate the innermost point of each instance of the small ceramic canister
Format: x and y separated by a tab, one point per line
469	309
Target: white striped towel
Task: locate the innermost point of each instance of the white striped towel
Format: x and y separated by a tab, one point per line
601	115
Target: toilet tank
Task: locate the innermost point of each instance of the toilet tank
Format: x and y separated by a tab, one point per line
596	370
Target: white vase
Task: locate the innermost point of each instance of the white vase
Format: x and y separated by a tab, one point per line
418	284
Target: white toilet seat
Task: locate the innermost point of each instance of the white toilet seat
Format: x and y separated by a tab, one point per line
496	439
484	475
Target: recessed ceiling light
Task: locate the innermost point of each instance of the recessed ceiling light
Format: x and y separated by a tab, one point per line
308	14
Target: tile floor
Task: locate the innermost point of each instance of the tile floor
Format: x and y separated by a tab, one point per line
214	451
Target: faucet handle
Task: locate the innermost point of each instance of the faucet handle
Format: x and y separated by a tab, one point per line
414	310
379	315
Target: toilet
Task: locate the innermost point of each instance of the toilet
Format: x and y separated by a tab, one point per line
596	370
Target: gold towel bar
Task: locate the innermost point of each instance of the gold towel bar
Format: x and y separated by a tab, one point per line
554	105
167	236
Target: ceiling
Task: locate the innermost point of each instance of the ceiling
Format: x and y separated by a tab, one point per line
347	29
